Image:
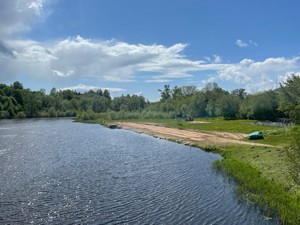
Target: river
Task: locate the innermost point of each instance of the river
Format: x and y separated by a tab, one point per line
55	171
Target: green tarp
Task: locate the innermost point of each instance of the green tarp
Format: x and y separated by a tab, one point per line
255	135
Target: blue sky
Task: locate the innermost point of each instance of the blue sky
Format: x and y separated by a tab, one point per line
136	47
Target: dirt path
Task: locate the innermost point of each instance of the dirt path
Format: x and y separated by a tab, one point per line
188	136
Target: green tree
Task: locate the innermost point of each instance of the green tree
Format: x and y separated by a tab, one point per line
241	93
32	104
52	112
246	111
53	91
100	104
83	104
261	106
17	85
228	106
198	104
166	93
289	98
177	93
106	94
212	93
67	94
188	90
18	95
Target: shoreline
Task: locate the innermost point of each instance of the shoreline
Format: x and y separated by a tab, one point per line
188	136
242	161
260	169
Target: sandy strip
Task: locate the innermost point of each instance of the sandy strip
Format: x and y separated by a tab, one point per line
188	136
200	122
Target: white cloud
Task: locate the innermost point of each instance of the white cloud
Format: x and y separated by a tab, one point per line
286	76
241	44
216	59
210	79
19	15
104	60
62	74
245	44
257	76
253	43
140	93
158	81
85	88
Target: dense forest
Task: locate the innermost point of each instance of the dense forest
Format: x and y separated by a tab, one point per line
211	101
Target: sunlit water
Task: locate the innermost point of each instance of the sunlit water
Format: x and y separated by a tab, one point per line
60	172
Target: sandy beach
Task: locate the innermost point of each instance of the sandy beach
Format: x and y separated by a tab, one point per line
203	138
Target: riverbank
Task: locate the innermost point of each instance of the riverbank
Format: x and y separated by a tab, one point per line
267	155
192	137
260	167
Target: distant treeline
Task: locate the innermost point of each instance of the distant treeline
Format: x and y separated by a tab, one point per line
17	102
211	101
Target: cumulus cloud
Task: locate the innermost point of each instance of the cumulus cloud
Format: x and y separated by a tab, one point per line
245	44
285	77
76	57
85	88
210	79
258	76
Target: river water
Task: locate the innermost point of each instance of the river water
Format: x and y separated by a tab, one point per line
55	171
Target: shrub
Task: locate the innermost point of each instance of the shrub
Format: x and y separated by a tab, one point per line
52	112
20	115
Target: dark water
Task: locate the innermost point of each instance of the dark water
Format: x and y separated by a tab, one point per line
60	172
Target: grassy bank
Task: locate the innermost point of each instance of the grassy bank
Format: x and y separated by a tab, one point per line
262	173
275	200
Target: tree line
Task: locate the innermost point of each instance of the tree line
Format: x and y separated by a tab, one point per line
18	102
282	103
210	101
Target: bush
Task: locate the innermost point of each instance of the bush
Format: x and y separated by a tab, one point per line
60	113
4	115
43	114
52	112
20	115
70	113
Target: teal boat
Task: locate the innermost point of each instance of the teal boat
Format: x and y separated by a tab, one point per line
256	135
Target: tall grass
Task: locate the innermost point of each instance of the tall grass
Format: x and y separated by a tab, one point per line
272	197
293	155
124	115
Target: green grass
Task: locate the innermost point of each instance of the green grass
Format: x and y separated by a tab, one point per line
277	136
269	195
271	162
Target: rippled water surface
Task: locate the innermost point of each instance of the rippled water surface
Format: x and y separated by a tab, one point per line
60	172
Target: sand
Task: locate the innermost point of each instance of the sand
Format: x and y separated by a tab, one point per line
188	136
